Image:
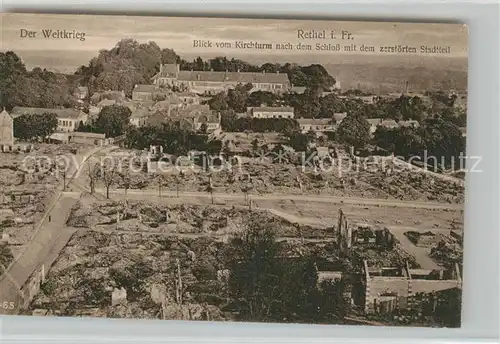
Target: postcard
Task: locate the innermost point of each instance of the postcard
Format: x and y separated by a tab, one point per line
223	169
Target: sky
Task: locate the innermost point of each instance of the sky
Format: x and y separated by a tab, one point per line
178	33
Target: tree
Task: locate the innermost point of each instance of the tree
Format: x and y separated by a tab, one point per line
265	285
298	141
203	128
46	124
161	180
113	120
354	131
334	306
255	147
35	126
128	63
253	281
93	175
210	189
108	175
449	308
38	88
126	180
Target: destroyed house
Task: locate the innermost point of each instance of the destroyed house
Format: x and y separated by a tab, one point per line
387	289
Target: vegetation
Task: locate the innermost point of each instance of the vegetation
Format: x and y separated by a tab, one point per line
436	141
265	285
38	88
5	257
172	137
35	126
354	131
113	120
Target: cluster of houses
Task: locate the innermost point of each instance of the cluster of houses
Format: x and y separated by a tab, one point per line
158	103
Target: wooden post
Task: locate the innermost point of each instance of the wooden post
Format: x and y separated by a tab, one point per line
339	229
179	280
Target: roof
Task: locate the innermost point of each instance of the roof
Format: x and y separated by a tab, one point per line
140	112
167	70
410	123
297	89
329	275
106	102
59	136
374	121
4	112
60	113
82	89
339	116
234	77
314	121
187	94
89	135
144	88
200	112
272	109
134	104
389	123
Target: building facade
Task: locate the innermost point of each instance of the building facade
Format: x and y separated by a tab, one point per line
271	112
6	130
143	92
317	125
81	92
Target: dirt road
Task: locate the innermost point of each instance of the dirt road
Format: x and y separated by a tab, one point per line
148	194
50	237
47	242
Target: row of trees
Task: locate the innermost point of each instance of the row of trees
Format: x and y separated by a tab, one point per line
435	138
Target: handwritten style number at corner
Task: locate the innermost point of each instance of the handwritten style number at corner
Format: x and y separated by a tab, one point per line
8	305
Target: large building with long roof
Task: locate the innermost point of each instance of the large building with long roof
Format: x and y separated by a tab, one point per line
211	82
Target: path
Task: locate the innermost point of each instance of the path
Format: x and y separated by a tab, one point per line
47	242
421	254
148	194
49	238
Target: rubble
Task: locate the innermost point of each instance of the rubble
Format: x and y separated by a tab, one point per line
343	178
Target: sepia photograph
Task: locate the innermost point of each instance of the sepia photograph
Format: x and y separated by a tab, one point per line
230	169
